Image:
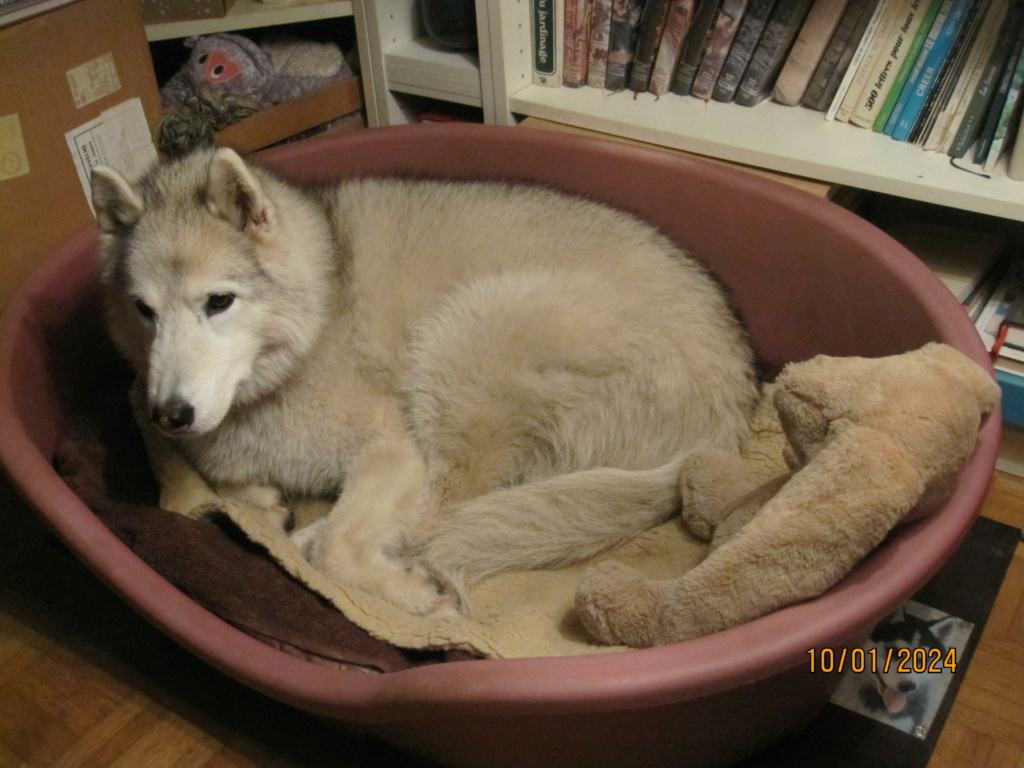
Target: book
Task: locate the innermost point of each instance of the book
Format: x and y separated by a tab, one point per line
547	18
622	43
974	115
904	96
747	38
600	23
1015	166
836	61
857	59
872	52
808	48
882	76
1008	113
995	110
716	51
576	55
941	137
1012	331
770	54
946	80
993	315
916	43
677	24
979	298
930	62
693	48
648	36
960	257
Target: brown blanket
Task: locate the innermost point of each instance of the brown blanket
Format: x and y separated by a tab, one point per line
102	459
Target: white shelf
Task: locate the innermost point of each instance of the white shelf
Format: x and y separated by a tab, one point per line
788	139
423	68
249	14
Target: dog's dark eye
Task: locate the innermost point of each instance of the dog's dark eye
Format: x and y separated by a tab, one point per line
218	302
144	309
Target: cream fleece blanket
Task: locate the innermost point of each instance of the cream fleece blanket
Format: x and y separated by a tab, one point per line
515	614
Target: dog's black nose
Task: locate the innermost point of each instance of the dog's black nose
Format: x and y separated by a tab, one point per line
175	416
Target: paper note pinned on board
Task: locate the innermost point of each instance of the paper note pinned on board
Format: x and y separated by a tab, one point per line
13	157
119	137
93	80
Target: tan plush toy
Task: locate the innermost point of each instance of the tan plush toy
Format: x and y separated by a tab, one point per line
868	442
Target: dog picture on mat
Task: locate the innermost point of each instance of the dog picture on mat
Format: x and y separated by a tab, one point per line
908	663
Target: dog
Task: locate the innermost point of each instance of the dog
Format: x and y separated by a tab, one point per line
485	375
908	663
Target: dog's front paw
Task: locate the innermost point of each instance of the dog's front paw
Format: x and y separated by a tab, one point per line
410	588
304	538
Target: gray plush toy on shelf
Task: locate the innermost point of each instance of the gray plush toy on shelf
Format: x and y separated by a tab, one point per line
228	77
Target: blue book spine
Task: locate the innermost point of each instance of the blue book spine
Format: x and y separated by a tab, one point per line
919	64
1013	398
933	66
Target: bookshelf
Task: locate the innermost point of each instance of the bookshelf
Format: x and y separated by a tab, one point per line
791	140
422	68
251	14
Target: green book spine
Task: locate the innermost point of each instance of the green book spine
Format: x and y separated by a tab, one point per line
907	66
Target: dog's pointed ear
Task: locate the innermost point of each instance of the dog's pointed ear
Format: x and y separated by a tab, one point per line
117	206
235	194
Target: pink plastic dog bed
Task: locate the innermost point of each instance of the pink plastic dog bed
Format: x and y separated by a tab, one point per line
808	278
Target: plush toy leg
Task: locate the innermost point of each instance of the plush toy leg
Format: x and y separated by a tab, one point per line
744	509
828	516
710	483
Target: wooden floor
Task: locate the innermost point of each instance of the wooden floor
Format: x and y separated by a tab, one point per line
84	682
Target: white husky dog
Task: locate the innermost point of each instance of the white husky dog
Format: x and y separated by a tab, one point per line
492	376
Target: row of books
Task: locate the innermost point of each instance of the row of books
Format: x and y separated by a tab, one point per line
943	74
983	268
997	307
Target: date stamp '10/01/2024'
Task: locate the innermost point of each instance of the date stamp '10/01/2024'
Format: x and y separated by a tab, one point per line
903	661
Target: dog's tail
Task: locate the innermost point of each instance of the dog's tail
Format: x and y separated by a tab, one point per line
549	523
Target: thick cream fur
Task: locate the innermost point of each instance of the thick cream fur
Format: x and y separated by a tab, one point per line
491	376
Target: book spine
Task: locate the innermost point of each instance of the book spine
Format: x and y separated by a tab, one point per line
908	59
918	65
693	50
1015	166
677	24
970	78
1009	111
577	42
600	23
621	43
881	78
771	52
649	32
547	42
988	130
981	99
859	52
726	26
945	81
747	38
872	53
807	51
836	61
921	86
